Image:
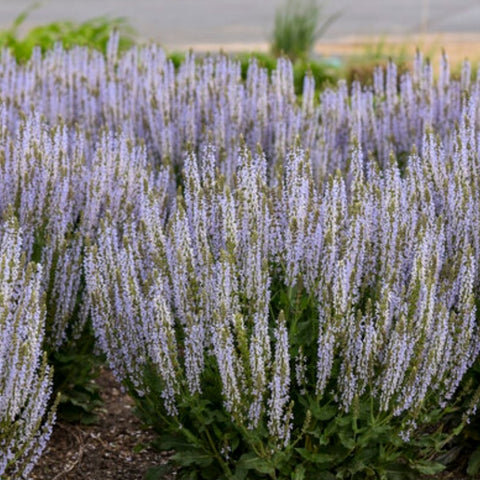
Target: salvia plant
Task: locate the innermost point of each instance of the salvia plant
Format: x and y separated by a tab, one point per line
287	287
288	328
25	378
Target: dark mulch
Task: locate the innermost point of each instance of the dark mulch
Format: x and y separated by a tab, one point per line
104	451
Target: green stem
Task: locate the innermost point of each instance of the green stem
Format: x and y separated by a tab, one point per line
217	455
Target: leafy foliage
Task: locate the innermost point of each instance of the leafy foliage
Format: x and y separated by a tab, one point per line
297	28
75	368
93	33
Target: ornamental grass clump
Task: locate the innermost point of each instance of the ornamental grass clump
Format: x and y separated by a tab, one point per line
26	415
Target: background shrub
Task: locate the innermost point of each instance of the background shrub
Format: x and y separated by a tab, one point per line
93	33
297	28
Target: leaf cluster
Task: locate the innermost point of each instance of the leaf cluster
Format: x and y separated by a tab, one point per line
75	369
93	33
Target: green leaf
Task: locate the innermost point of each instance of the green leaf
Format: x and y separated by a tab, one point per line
450	455
324	413
188	475
400	471
299	473
330	429
368	456
347	440
172	442
328	476
322	439
158	473
376	434
303	335
250	461
240	473
343	420
193	456
315	457
427	468
474	463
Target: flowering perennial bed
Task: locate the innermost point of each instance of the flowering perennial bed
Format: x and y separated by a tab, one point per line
286	285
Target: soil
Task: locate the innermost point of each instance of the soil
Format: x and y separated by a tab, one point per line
104	451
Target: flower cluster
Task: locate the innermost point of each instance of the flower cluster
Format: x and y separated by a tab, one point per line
214	227
388	265
25	379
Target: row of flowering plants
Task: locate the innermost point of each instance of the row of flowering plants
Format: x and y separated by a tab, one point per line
286	286
25	379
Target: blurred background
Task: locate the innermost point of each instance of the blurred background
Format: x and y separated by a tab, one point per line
347	35
229	23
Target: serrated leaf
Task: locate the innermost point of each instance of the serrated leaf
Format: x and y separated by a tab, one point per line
474	463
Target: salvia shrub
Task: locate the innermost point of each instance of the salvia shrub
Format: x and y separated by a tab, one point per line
25	378
274	327
288	287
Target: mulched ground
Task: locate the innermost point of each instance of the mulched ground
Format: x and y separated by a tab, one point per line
105	451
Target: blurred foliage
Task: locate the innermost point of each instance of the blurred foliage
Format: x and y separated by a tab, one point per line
177	58
91	33
362	67
323	73
297	28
